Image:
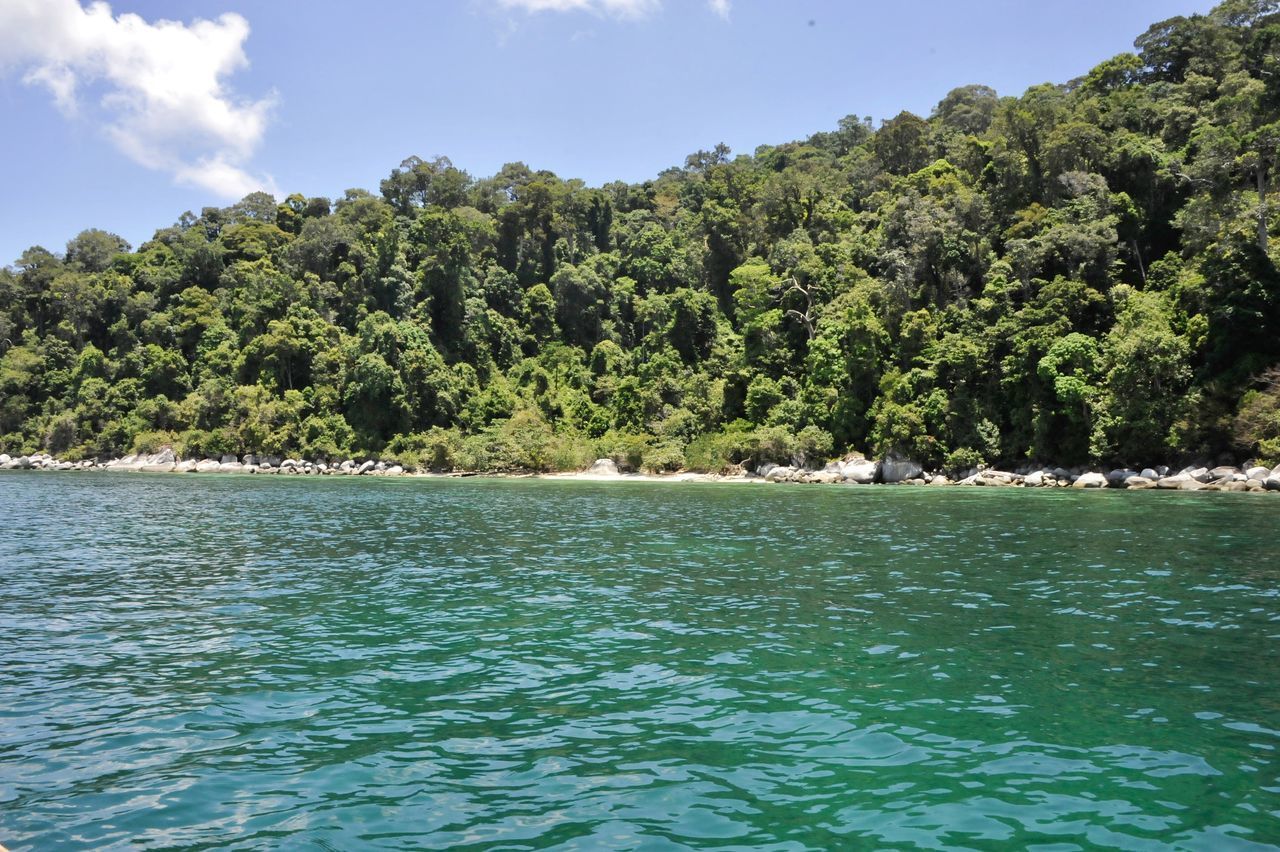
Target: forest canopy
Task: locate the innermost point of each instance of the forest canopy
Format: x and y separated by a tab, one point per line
1084	273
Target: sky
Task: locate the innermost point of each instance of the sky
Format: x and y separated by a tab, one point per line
123	116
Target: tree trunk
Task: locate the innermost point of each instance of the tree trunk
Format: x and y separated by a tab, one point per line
1263	184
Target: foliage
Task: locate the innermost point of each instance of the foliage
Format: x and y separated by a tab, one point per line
1082	273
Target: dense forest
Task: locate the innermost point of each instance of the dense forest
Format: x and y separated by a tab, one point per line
1085	273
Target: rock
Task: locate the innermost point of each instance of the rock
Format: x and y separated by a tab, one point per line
207	466
1116	478
347	465
1254	485
1272	482
1035	479
230	467
1149	473
824	477
1258	473
4	459
158	467
23	462
778	473
1173	483
1090	480
1191	485
1061	473
603	467
1237	486
229	459
365	467
1201	474
1138	483
395	470
897	469
1223	472
939	479
187	466
380	466
861	471
287	464
764	469
996	478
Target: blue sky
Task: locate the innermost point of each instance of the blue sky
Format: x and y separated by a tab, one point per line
117	121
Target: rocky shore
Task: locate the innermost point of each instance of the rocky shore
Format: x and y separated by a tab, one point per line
853	470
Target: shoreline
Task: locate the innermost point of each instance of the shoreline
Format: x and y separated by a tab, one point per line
850	471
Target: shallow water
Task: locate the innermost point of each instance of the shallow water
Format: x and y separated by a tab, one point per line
342	663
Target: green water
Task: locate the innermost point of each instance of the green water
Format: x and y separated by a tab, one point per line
255	663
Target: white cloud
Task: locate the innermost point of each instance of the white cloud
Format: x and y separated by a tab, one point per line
161	90
629	9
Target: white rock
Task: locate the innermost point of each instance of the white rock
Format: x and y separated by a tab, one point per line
1259	473
1035	479
207	466
1149	473
366	467
779	474
603	467
861	471
1090	480
230	459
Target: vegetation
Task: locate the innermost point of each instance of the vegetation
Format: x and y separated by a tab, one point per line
1082	273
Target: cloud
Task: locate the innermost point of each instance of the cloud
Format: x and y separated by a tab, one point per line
626	9
160	87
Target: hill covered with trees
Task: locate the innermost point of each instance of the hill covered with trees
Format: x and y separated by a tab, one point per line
1083	273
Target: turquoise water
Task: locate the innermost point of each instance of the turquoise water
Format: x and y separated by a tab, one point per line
254	663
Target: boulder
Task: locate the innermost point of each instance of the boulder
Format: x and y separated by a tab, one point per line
1272	482
603	467
897	469
187	466
229	459
1237	486
1173	483
861	471
823	477
1116	478
1138	483
1034	479
395	470
4	459
996	478
1191	485
1258	473
1223	472
207	466
939	479
1061	473
366	467
379	467
1149	473
288	464
230	467
1090	480
158	467
779	474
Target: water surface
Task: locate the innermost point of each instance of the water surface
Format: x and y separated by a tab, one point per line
251	663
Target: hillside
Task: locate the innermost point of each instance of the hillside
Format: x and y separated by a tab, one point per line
1085	273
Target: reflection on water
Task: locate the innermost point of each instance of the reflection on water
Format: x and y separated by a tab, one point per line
249	663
